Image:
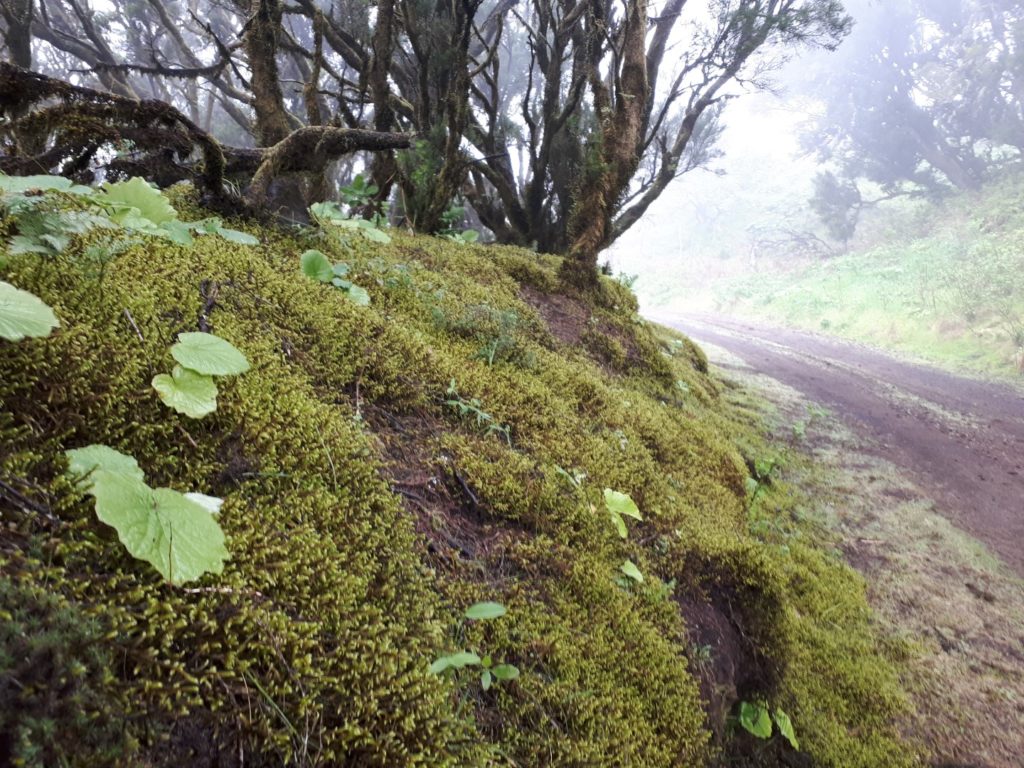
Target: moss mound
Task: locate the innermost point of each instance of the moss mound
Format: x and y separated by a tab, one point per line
382	468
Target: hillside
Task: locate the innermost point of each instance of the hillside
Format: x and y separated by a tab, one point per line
383	467
941	282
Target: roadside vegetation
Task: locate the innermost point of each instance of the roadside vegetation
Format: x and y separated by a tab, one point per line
452	518
942	282
947	606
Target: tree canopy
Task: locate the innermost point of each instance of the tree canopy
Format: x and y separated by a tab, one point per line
557	121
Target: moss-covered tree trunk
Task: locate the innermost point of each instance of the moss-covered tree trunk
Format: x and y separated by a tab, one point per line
383	168
17	15
621	113
260	41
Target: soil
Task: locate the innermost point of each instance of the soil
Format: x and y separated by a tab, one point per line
907	462
960	440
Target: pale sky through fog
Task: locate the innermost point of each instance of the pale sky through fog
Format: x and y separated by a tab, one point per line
706	222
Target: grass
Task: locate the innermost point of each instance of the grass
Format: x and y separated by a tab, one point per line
942	283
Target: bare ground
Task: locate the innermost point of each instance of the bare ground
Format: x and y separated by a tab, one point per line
918	474
961	440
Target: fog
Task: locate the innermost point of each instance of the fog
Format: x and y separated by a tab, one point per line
872	192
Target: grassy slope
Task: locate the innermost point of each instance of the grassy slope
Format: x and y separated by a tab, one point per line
363	515
947	286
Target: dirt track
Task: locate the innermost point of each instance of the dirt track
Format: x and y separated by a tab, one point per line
961	440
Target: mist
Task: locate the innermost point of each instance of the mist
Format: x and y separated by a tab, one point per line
869	192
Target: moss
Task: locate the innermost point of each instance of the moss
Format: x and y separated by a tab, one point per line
54	672
313	646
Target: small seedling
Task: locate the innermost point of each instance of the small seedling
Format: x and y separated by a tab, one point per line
755	719
620	505
331	218
489	671
190	388
317	266
474	408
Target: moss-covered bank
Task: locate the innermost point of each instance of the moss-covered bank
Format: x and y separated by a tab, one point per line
364	514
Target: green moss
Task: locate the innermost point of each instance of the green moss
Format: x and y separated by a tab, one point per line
314	644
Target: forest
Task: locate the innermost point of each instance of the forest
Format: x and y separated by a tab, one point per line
354	412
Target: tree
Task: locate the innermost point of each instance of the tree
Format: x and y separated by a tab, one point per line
559	122
926	96
574	153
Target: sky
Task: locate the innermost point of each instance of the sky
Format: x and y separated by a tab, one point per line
705	223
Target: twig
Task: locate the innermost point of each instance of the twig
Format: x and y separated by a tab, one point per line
131	322
208	291
26	504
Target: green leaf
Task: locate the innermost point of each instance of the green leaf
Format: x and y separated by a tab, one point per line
455	661
209	354
23	314
630	569
340	269
337	282
149	203
358	296
621	503
235	236
485	679
754	718
20	184
470	235
326	211
505	672
316	265
210	503
375	235
193	394
208	226
177	232
786	727
82	461
620	525
178	537
481	611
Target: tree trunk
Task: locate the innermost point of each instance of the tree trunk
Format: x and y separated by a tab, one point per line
620	136
383	168
260	40
18	36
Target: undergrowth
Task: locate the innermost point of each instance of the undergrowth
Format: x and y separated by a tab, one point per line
364	513
943	282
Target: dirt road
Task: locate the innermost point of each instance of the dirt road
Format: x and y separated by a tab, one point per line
959	439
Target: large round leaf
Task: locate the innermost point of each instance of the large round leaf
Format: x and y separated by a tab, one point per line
209	354
82	461
316	265
193	394
23	314
150	204
178	537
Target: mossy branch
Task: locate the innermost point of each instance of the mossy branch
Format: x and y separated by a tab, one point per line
310	149
84	119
